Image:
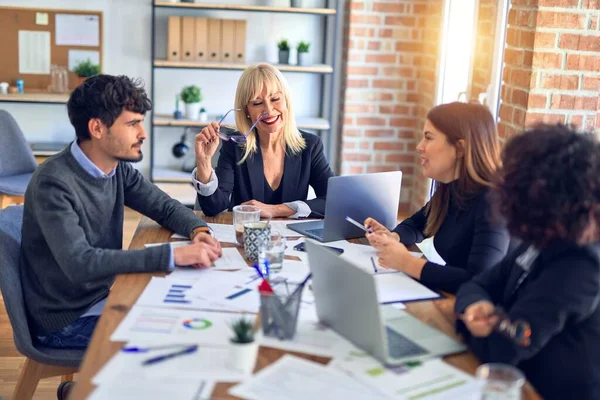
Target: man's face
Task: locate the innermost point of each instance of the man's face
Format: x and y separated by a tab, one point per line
123	140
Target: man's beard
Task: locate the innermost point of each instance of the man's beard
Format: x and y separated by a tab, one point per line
131	160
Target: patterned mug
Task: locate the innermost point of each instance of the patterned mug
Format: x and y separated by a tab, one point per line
256	235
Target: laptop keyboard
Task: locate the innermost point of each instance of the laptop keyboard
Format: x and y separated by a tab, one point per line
399	346
315	233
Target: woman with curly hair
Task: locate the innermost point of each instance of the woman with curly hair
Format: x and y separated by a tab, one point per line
550	198
460	151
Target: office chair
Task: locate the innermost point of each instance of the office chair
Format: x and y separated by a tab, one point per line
42	362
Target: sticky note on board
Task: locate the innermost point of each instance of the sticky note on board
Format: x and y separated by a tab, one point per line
41	18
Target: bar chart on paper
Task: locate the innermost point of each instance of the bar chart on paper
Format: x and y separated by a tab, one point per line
152	321
176	293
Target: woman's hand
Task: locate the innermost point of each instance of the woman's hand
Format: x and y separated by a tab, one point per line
375	227
271	210
206	144
480	319
394	255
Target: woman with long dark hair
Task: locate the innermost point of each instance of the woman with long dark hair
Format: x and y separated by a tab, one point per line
549	196
460	152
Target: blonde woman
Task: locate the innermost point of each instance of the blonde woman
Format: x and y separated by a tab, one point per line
460	151
273	165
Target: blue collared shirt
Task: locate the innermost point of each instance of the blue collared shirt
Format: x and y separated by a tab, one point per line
96	172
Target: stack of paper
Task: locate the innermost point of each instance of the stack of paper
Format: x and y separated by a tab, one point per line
293	378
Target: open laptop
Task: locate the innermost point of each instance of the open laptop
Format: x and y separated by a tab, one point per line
346	301
358	197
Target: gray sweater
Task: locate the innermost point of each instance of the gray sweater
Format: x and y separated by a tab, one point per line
73	234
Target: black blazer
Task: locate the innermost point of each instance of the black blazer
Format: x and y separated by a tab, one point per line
244	182
559	298
468	240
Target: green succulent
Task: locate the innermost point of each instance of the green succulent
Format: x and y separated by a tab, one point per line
283	45
303	47
191	94
243	329
86	68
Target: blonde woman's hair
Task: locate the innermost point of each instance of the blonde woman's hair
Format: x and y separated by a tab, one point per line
252	82
474	124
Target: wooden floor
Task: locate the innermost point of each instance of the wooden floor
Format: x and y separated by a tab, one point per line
11	361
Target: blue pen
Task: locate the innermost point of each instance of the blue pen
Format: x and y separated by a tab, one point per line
238	294
374	265
255	266
135	349
187	350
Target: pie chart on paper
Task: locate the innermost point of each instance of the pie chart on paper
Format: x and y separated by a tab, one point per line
197	324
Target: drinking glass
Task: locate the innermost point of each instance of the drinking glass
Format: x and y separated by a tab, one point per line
242	215
500	381
273	252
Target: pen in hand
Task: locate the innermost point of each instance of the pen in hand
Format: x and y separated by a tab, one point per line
154	360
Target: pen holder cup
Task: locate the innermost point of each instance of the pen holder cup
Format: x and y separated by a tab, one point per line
279	311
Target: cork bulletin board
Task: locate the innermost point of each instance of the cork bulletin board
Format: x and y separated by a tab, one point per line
38	23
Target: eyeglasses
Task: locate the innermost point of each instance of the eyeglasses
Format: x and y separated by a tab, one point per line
226	133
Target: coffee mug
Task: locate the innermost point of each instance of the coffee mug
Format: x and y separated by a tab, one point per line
4	87
256	235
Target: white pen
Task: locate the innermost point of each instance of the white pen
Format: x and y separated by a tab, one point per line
353	222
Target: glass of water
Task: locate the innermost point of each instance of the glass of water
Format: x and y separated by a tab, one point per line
500	381
273	252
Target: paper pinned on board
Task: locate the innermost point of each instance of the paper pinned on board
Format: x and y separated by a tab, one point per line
34	52
77	30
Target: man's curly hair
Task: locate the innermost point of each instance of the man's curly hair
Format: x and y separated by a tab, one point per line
550	184
105	97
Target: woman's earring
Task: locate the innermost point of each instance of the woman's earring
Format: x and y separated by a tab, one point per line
247	116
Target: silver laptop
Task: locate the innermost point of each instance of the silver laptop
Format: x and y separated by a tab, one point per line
346	301
358	197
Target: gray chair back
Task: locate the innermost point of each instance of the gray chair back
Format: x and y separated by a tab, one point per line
11	220
17	157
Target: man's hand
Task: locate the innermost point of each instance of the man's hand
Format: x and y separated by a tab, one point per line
480	319
203	237
196	255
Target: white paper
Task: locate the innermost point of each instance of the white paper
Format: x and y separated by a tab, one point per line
312	338
235	291
428	249
222	232
75	56
434	379
231	259
144	325
77	30
179	243
34	52
399	287
123	390
293	378
208	362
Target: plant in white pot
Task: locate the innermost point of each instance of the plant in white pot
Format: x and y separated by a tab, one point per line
303	56
284	51
244	349
192	97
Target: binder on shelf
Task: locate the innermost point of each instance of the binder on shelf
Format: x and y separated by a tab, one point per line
187	38
227	40
201	42
214	40
174	39
240	41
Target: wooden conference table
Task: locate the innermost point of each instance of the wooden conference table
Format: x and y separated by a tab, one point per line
127	288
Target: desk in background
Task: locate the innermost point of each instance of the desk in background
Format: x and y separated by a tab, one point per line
127	288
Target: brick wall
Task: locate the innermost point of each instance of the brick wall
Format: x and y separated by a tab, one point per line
552	61
390	68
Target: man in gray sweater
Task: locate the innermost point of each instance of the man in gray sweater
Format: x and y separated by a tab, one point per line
73	221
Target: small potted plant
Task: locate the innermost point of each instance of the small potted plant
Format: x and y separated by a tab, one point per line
85	69
302	49
192	97
284	51
296	3
244	349
203	115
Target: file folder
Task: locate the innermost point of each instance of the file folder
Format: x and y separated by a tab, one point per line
240	41
174	39
201	43
187	38
214	40
227	40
